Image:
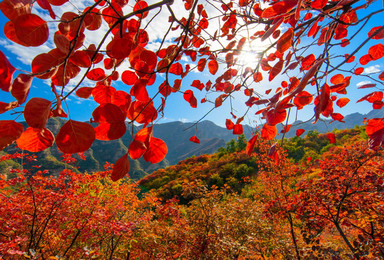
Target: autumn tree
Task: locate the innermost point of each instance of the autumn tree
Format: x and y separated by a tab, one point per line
318	46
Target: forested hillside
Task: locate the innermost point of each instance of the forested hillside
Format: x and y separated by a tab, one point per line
316	199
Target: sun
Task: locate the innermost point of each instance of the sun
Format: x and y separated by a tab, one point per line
250	55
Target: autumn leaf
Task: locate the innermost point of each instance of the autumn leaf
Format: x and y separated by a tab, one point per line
375	132
75	137
299	132
111	122
331	137
35	139
156	152
190	98
31	29
121	168
251	145
20	87
213	66
9	132
268	132
37	111
194	139
6	72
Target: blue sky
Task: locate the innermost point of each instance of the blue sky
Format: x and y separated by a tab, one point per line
176	107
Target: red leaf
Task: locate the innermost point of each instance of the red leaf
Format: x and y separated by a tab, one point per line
375	132
275	117
119	48
103	94
157	150
323	101
176	69
213	66
31	29
359	70
194	139
218	101
308	61
337	117
142	113
62	42
286	129
337	79
201	64
302	99
43	65
376	51
75	137
121	168
84	92
318	4
15	8
276	70
299	132
251	145
279	8
237	129
111	122
257	76
81	59
10	33
139	90
138	6
273	153
6	73
20	87
129	77
165	89
35	140
331	137
9	132
341	102
372	97
365	59
190	98
4	107
197	84
71	71
112	13
381	76
93	19
268	132
37	111
96	74
140	143
229	124
285	41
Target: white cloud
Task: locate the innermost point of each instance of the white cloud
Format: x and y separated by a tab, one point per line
372	69
183	120
362	83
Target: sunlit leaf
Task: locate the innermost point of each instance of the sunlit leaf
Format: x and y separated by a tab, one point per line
121	168
9	132
35	139
75	137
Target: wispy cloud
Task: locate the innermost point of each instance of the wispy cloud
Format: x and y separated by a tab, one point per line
362	83
372	69
183	120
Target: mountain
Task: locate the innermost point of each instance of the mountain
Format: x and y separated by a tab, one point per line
175	134
324	126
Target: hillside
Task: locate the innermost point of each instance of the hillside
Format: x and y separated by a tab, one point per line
232	168
175	134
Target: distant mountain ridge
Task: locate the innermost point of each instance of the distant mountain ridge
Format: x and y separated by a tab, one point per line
176	135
